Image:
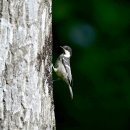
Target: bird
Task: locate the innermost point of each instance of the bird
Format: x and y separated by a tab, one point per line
62	67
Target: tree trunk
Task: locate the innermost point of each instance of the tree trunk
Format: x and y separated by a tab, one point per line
26	96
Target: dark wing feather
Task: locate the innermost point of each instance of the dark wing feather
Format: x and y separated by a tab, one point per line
66	62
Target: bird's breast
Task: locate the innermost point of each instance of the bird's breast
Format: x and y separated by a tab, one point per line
61	72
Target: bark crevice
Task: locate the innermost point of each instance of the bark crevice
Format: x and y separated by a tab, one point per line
4	105
1	9
9	11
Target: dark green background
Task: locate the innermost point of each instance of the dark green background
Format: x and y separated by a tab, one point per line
98	31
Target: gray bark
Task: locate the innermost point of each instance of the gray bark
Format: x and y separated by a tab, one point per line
26	97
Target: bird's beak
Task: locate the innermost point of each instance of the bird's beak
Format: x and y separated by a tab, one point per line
62	47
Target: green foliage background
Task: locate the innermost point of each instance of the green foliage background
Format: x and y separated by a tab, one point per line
99	33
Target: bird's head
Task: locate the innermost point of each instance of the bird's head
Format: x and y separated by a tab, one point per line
67	51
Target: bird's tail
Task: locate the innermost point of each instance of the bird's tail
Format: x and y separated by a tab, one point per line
71	92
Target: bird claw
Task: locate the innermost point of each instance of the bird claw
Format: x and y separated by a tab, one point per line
52	66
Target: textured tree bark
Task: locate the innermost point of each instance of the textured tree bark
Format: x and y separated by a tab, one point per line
26	98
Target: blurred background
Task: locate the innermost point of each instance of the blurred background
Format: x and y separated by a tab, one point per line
98	31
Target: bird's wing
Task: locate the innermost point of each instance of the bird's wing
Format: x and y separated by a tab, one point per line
66	63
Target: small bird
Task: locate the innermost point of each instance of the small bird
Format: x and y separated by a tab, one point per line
62	67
